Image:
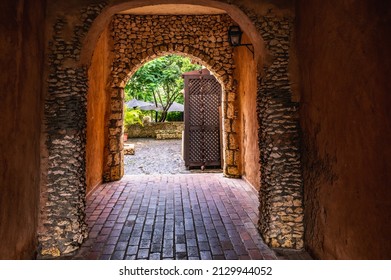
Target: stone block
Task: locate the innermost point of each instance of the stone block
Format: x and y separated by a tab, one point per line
117	158
115	173
236	126
233	141
109	160
229	157
230	110
227	125
113	144
53	251
231	96
115	131
116	116
129	149
116	105
233	171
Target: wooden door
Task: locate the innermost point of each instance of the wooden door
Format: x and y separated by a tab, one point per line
202	121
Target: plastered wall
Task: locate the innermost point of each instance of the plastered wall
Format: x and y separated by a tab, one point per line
343	50
97	107
21	62
344	68
248	129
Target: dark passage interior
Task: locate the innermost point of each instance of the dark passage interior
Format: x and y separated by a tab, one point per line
305	120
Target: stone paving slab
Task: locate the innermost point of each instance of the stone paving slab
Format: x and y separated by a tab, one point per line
183	216
155	157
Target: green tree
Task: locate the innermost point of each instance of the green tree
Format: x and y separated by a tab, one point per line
160	81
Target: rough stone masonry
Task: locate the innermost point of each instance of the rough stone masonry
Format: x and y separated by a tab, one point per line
62	224
139	39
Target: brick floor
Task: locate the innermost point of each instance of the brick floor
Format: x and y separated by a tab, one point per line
184	216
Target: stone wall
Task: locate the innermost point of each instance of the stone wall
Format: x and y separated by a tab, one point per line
139	39
150	130
281	194
63	226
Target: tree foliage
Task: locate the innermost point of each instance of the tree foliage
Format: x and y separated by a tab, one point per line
160	81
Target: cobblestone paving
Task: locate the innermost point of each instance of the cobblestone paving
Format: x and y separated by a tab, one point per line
155	157
183	216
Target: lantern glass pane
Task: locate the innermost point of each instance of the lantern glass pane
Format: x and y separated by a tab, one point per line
235	35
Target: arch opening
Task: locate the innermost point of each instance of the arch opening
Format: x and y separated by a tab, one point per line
108	68
175	79
130	51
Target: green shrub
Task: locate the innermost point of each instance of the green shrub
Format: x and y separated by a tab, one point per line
174	117
132	116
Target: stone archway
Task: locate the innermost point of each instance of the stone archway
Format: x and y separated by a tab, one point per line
62	222
243	17
138	39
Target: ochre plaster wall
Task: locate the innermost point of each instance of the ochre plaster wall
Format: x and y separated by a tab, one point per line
97	102
343	49
21	62
245	75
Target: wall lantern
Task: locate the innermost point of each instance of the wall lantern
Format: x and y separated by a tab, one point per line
235	38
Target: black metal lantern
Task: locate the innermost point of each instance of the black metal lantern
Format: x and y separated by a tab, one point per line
235	35
235	38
